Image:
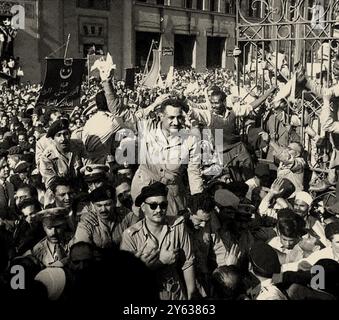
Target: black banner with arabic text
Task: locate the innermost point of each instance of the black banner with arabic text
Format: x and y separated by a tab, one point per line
63	81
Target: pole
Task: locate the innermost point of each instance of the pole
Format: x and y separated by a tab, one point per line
237	45
148	57
67	44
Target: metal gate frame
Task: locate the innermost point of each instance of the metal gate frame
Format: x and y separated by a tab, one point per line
289	25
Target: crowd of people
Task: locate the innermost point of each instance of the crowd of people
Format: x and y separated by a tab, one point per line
195	189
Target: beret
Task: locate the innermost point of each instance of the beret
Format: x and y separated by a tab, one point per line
226	198
264	260
16	150
331	229
57	126
102	194
156	189
237	187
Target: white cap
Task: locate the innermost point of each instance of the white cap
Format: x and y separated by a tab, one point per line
304	196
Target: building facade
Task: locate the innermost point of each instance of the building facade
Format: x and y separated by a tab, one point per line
192	33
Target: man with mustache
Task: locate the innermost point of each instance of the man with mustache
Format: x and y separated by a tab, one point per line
63	158
163	244
54	247
102	225
165	148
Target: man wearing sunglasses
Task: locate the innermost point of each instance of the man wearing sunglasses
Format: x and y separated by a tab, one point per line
163	244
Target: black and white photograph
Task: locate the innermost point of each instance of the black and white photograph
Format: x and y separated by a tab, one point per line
166	157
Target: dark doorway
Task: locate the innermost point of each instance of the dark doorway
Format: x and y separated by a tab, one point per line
93	49
215	48
142	47
183	51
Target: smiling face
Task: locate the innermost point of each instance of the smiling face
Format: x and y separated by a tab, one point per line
172	119
217	104
300	208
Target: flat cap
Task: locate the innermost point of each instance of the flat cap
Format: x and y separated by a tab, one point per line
21	167
57	126
264	260
102	194
16	150
156	189
226	198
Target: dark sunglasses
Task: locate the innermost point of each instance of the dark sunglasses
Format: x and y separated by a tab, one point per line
155	205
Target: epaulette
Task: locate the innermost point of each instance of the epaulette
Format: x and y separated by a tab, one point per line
174	221
135	228
39	247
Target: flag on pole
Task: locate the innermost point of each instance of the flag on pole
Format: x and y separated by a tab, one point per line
161	83
170	77
151	78
62	83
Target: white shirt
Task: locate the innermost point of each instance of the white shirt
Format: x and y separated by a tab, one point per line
268	291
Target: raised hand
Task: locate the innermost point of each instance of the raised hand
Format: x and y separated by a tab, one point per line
105	70
277	186
233	256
